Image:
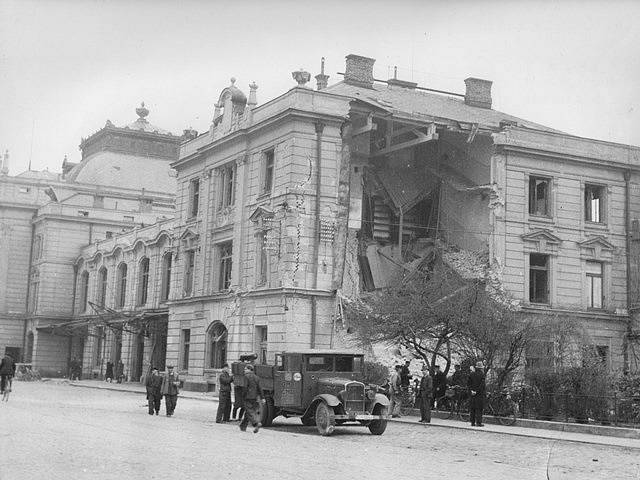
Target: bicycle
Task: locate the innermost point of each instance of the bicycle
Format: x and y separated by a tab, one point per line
500	405
456	400
407	400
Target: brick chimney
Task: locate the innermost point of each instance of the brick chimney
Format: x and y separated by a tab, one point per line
478	93
359	71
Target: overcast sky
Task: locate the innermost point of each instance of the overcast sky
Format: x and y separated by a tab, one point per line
68	66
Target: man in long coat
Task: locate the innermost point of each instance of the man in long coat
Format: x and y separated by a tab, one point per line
169	389
154	385
7	371
476	385
224	397
252	397
425	392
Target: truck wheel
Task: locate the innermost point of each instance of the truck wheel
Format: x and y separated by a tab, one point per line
267	411
325	419
377	427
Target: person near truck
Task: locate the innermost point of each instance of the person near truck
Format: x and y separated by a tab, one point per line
253	396
153	385
224	396
7	372
169	389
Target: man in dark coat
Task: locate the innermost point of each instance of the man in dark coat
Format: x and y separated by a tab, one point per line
252	397
7	371
424	394
154	384
477	386
405	376
439	385
169	389
224	396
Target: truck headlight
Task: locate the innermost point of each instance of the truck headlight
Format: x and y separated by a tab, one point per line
371	394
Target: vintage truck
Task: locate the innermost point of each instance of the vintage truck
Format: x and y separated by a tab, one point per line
322	387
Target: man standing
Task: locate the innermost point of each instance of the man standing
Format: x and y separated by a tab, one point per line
394	392
424	392
252	397
7	371
477	387
169	389
405	376
224	397
440	385
154	384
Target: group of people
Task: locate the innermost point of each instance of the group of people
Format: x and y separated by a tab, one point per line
162	386
247	396
432	389
118	374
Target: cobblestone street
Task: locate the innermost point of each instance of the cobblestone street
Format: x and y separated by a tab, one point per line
52	431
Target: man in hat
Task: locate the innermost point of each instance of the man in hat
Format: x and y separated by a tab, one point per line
476	385
424	394
7	372
224	397
252	397
154	384
169	389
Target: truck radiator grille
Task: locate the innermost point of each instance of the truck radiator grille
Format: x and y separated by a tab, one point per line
354	398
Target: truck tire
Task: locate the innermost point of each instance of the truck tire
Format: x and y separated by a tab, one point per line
377	427
325	419
267	412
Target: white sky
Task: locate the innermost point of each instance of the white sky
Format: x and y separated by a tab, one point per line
66	66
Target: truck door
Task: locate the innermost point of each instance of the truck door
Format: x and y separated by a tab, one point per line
288	381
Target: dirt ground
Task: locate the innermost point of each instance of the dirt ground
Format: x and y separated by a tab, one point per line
55	431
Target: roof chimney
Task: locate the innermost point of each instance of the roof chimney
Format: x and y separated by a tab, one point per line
478	93
322	80
359	71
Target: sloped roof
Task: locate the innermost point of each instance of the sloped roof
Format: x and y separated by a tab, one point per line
39	175
419	103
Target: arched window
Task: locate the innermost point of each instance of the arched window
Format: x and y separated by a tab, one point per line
217	345
84	291
166	276
143	281
102	286
121	285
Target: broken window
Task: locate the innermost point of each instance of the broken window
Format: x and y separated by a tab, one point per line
594	203
539	190
538	278
594	284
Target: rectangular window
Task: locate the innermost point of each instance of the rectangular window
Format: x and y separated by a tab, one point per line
167	261
128	218
186	341
190	262
225	251
538	278
261	343
539	190
194	197
594	203
226	190
595	296
269	163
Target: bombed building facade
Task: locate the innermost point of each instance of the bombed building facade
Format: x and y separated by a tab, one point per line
283	208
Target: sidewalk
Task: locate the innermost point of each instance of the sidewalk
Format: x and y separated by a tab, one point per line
594	434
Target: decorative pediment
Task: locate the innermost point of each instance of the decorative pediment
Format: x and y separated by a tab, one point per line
542	241
596	248
189	239
262	216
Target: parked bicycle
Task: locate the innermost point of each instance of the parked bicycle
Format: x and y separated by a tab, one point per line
501	406
456	403
407	400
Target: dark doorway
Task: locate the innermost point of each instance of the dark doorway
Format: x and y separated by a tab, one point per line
137	372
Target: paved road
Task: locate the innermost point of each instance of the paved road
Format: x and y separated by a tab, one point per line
51	431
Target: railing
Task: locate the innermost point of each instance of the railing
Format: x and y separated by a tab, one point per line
614	409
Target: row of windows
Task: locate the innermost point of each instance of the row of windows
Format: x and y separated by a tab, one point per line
224	252
540	204
121	284
227	184
539	281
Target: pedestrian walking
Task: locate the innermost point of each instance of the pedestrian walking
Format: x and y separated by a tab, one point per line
108	376
395	392
253	396
7	372
439	385
154	394
169	388
476	385
238	409
120	371
425	392
224	397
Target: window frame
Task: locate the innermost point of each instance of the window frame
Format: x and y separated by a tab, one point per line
194	197
532	194
227	186
185	348
189	273
268	170
533	284
103	277
590	278
217	350
143	281
602	204
165	287
225	265
121	285
84	291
